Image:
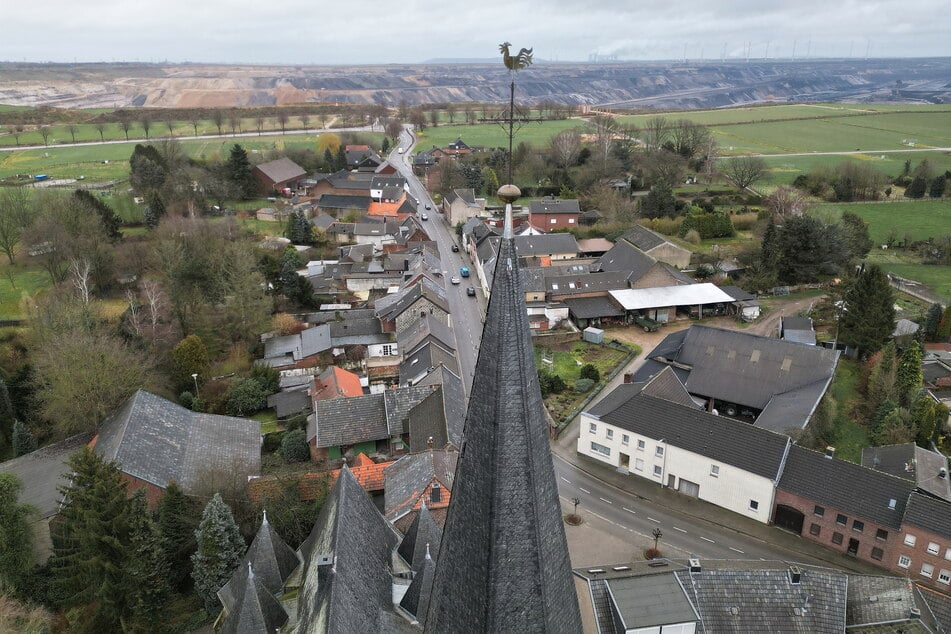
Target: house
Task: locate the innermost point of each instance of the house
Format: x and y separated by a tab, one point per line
297	350
389	423
399	310
665	303
279	175
904	332
655	430
362	156
797	330
594	247
923	548
155	441
426	344
460	205
335	382
927	469
339	205
43	473
745	305
773	383
694	595
658	247
385	188
417	480
643	271
551	213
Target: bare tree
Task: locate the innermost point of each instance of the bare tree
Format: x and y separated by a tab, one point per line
324	117
305	121
79	271
434	117
193	119
786	202
45	133
14	217
402	109
100	128
688	138
451	112
565	147
234	121
170	124
259	123
282	120
218	118
134	317
145	120
17	131
394	127
743	171
666	166
156	301
125	125
604	130
72	128
656	132
470	114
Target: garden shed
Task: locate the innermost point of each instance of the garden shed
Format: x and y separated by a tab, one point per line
593	335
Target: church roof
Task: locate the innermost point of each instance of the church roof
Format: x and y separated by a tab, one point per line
418	596
423	535
255	608
503	561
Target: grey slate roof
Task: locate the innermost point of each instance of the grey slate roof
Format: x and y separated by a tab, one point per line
503	561
272	561
289	402
719	438
592	307
547	244
554	206
786	380
454	400
255	608
428	355
158	441
879	599
410	475
738	293
342	201
43	471
911	462
281	170
651	601
425	328
859	491
766	601
798	330
391	306
627	258
355	328
643	238
290	348
347	584
586	283
928	513
418	596
421	538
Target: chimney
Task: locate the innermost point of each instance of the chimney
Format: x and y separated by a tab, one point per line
915	613
830	452
943	472
795	575
694	565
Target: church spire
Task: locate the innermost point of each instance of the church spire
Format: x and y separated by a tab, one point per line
503	559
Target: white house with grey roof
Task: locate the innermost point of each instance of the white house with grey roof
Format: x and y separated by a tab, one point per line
655	430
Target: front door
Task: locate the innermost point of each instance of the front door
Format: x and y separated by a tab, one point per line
625	463
671	480
853	546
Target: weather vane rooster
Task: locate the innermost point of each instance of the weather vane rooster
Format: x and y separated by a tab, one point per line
515	62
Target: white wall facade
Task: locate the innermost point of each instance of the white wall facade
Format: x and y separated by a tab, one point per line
725	485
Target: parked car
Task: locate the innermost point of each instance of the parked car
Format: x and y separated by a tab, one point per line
649	325
456	280
424	216
428	207
455	248
400	150
464	271
470	292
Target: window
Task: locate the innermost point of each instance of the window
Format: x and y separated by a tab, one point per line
593	428
858	526
571	221
601	449
815	529
819	510
881	534
714	471
658	471
553	221
910	540
947	554
638	464
640	445
841	519
837	538
933	548
877	554
927	570
944	577
387	349
435	493
659	451
754	505
610	434
904	561
625	439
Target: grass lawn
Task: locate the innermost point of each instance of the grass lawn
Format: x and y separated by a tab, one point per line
16	283
850	437
493	135
567	360
783	170
915	219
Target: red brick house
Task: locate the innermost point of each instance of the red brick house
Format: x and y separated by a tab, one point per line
278	175
551	213
417	479
924	549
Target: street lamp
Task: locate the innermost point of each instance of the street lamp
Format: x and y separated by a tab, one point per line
195	379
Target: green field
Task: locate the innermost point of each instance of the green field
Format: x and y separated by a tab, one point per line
785	169
494	135
918	220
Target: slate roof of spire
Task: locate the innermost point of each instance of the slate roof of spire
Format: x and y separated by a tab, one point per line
273	562
503	561
423	535
347	583
255	610
417	598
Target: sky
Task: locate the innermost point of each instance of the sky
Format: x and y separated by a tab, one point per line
414	31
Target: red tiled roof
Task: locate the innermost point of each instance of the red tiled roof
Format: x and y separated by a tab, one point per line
336	383
369	476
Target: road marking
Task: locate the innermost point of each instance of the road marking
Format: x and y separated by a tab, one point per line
628	510
584	490
624	527
562	477
604	500
737	550
601	517
653	520
707	539
679	529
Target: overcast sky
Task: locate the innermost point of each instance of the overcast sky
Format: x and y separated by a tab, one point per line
373	31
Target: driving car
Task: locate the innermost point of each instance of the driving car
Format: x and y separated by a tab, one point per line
424	216
456	280
400	150
470	292
455	248
428	207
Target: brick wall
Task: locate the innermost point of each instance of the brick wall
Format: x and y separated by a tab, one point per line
919	558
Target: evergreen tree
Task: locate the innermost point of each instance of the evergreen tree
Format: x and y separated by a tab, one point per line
7	415
386	145
189	356
146	565
659	202
769	249
937	186
90	545
110	221
220	548
917	188
869	316
932	319
177	519
490	180
329	161
881	386
340	158
154	208
16	536
893	429
855	234
809	249
944	325
238	170
908	376
23	441
927	416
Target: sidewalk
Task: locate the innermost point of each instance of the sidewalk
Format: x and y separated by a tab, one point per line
585	543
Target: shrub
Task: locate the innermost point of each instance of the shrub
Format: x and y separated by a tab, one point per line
273	441
583	385
245	396
588	371
186	399
745	221
715	225
692	236
294	446
652	553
